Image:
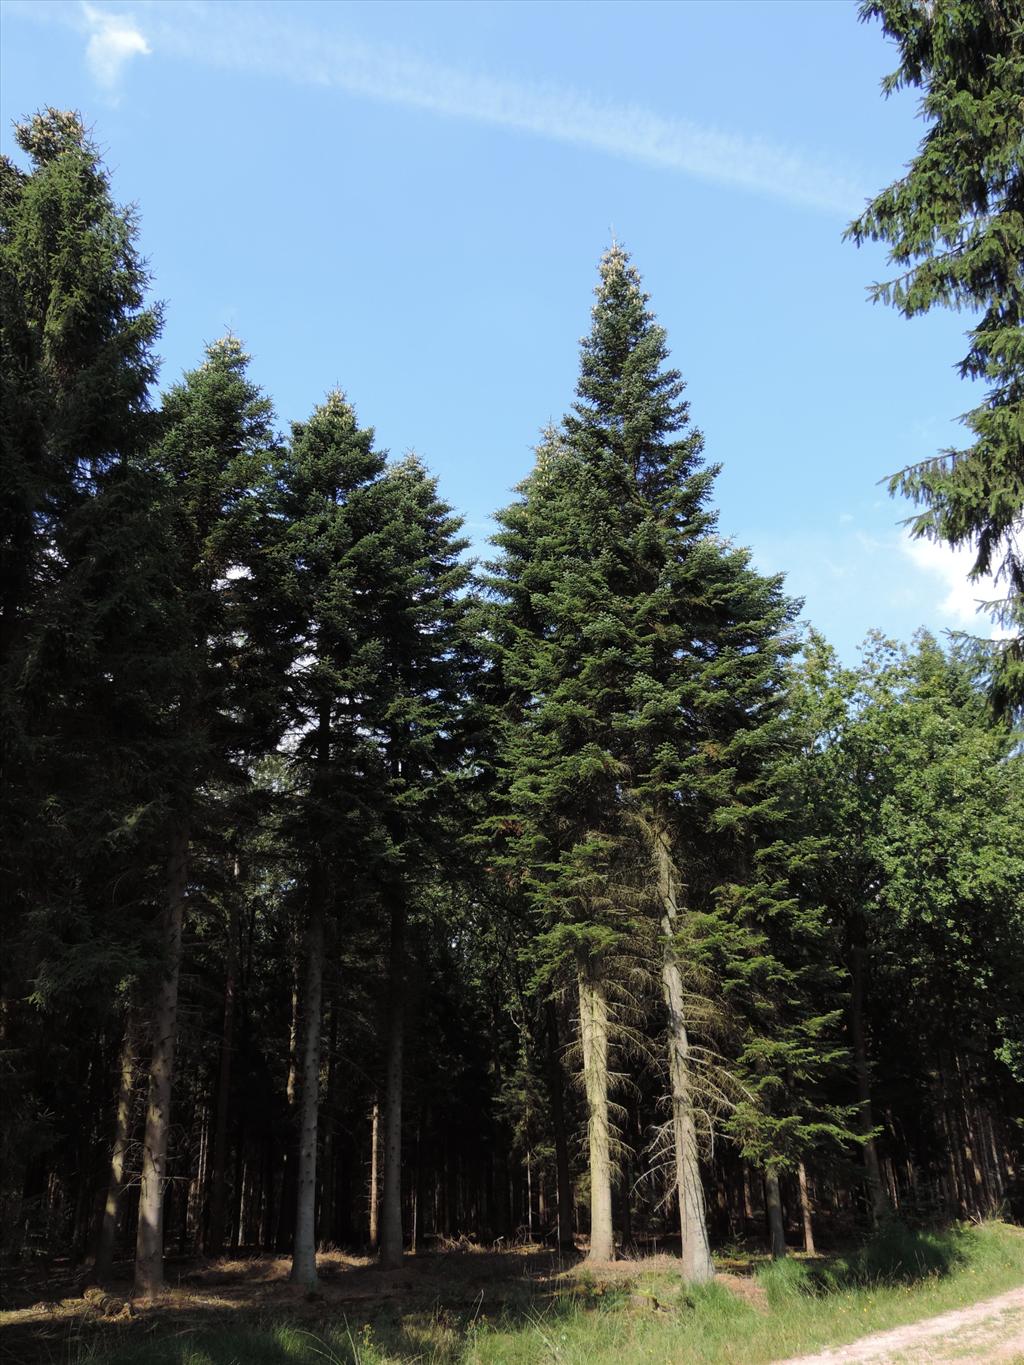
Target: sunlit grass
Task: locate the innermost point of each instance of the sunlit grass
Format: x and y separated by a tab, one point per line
650	1316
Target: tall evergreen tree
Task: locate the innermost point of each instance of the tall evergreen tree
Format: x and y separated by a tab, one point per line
421	614
955	228
80	587
329	557
378	692
561	581
644	657
217	457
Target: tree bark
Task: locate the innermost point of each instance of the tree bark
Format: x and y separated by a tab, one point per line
556	1092
594	1038
292	1083
114	1207
303	1270
773	1205
214	1240
391	1212
149	1245
697	1265
805	1209
877	1198
374	1175
284	1239
327	1226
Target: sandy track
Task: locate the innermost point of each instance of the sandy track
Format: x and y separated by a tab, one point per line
990	1331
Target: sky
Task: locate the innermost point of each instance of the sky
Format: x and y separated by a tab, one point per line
409	201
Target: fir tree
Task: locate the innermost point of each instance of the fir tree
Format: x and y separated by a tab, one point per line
645	658
81	587
378	690
327	562
217	458
420	622
558	657
955	227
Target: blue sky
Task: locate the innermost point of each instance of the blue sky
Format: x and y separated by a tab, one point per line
409	201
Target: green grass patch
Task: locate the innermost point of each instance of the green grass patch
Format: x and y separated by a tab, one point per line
792	1307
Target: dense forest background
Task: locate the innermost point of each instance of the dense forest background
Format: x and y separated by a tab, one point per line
357	893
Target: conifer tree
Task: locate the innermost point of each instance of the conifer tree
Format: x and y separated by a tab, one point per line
217	457
645	656
955	227
81	581
378	688
328	558
555	638
706	647
420	618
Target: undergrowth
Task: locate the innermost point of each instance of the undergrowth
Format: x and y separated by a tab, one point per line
898	1276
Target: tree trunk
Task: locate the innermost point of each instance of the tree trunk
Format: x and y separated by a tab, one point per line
773	1204
113	1208
877	1198
748	1198
391	1212
292	1083
418	1201
214	1241
805	1209
556	1090
303	1270
594	1039
374	1174
284	1239
696	1253
149	1245
327	1227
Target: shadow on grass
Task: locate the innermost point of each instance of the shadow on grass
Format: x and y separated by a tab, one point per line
895	1255
233	1313
447	1308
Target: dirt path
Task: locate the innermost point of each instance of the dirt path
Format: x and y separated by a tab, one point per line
991	1331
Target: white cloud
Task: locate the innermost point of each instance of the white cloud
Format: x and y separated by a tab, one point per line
250	38
963	596
113	41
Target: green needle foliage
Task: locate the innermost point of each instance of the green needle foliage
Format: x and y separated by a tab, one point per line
218	457
955	227
643	660
317	868
81	621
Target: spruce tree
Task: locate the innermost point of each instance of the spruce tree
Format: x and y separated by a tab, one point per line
377	694
81	586
327	561
217	458
420	620
955	227
642	658
555	638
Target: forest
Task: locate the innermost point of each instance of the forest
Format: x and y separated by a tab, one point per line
359	893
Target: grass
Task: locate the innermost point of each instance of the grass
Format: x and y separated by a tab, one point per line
631	1314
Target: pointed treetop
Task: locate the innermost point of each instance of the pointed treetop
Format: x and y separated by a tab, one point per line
551	442
228	348
51	133
617	270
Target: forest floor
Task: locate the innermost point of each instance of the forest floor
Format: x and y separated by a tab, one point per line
469	1306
